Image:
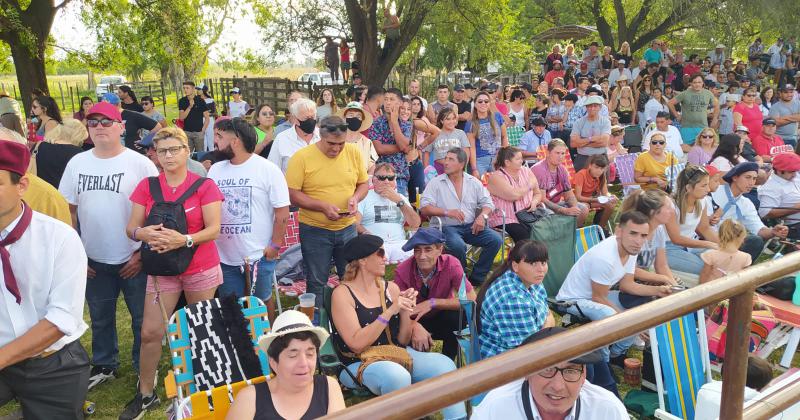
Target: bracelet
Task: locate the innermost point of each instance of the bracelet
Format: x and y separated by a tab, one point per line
433	303
383	320
133	235
274	246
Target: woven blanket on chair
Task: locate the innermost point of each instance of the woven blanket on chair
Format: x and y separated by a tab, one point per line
215	361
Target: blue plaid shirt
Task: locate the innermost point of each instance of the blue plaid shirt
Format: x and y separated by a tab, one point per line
510	312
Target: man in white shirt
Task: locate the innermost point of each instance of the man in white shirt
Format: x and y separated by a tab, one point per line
237	107
42	362
254	212
384	212
612	261
780	195
414	90
671	133
303	132
559	392
97	185
734	205
619	72
639	69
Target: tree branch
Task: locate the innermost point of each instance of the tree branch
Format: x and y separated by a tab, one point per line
63	4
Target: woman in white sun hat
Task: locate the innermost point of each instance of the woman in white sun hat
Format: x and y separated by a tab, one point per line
295	392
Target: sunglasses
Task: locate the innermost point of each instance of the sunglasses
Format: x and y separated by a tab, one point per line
658	142
380	252
482	101
385	177
752	95
105	122
694	171
706	136
332	128
172	151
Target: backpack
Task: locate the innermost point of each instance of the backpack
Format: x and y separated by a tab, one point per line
173	216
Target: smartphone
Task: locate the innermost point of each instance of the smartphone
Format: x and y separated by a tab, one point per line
344	213
678	288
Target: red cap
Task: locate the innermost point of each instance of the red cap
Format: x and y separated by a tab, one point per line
14	157
105	109
786	162
712	170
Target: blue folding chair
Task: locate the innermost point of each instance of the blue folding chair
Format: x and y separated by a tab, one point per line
680	354
469	347
587	237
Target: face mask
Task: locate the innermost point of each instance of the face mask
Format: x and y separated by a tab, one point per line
353	124
308	125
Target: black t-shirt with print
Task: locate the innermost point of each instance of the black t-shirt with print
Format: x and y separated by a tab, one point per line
193	121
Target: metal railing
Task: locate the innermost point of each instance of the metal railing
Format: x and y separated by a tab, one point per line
436	393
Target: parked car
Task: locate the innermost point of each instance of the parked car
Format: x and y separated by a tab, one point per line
109	84
462	77
317	79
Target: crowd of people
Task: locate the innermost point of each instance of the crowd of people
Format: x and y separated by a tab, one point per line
476	163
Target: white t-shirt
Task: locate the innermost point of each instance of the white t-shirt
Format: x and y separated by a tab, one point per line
647	255
382	217
286	144
709	397
673	136
723	164
252	190
505	403
101	189
689	227
600	264
237	109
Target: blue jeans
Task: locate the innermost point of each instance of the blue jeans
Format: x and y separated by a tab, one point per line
102	292
384	377
484	164
681	259
402	187
597	311
318	247
416	181
458	236
233	279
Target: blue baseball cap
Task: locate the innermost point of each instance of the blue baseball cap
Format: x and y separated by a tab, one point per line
424	236
111	98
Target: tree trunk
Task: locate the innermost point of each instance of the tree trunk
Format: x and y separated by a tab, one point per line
30	72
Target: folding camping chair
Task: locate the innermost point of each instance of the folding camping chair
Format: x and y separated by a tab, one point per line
682	365
624	164
469	346
514	134
202	392
787	332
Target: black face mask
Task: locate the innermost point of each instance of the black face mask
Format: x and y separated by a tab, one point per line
308	125
353	124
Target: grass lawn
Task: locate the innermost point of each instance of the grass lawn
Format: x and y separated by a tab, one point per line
110	398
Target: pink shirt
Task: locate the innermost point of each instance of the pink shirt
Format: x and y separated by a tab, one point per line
524	179
751	117
206	256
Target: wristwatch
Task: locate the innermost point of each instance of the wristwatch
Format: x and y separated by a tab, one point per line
485	217
189	241
401	203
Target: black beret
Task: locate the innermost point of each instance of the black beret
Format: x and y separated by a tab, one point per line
361	246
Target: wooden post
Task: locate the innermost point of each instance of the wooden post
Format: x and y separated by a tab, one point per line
737	345
61	91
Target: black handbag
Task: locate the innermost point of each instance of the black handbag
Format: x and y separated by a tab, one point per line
526	217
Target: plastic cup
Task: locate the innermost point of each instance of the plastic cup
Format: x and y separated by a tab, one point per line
307	301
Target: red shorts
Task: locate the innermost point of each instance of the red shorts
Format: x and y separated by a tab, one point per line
196	282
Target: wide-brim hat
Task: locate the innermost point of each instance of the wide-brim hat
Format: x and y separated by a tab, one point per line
366	118
288	322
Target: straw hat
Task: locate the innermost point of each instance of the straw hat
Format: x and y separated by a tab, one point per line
366	118
288	322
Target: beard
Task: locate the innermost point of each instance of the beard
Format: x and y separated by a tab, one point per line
226	153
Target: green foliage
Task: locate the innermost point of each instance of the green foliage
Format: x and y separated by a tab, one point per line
6	66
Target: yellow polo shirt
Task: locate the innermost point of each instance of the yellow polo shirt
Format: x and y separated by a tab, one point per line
45	199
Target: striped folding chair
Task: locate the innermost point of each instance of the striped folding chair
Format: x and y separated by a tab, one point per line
624	164
682	365
587	237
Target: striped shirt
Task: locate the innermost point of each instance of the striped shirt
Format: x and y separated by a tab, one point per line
510	312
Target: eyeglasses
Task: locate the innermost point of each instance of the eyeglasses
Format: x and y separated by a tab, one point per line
424	291
172	150
332	128
752	95
385	177
569	374
692	172
658	142
105	122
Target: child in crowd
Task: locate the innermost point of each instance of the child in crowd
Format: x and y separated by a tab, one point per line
713	209
591	187
726	113
727	259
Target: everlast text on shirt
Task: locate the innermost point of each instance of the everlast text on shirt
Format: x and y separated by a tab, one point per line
100	182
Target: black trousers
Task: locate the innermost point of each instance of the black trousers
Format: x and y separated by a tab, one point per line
53	387
441	325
